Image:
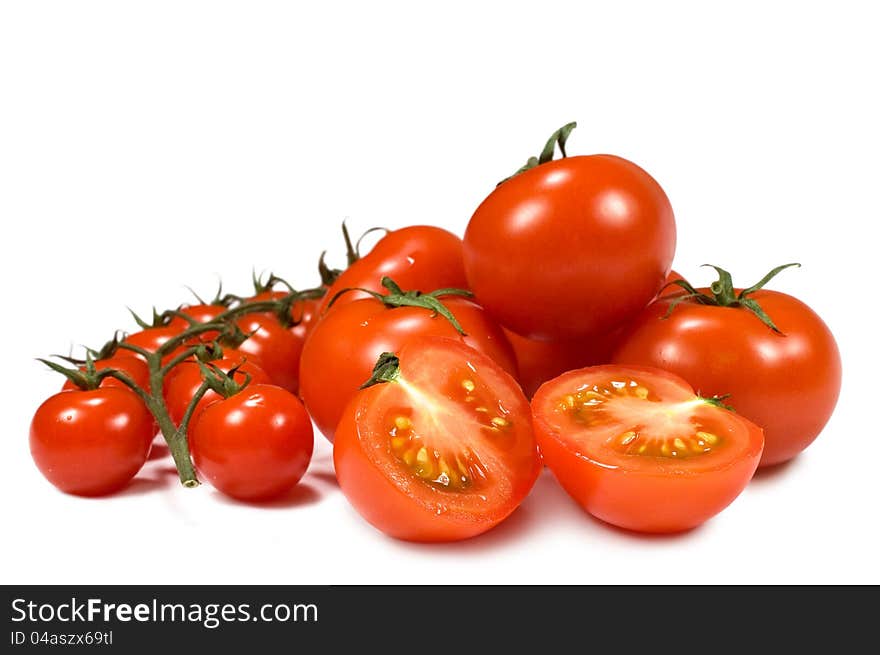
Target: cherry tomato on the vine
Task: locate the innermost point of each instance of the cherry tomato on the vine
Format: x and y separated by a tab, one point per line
201	313
134	367
636	447
273	348
787	381
254	445
571	248
341	351
91	443
443	451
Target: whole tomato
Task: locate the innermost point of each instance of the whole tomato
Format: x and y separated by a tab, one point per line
254	445
184	381
571	248
273	347
339	356
416	257
91	443
770	352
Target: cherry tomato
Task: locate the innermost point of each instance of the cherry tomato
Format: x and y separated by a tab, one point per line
417	257
201	313
303	313
787	382
134	367
540	361
443	452
91	443
341	351
254	445
637	448
272	347
570	249
182	383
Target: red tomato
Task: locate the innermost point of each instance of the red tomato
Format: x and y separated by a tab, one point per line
91	443
275	348
341	351
443	452
636	447
151	339
134	367
181	385
417	257
570	249
254	445
539	361
200	313
304	313
787	383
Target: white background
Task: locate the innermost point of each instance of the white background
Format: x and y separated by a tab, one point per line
145	146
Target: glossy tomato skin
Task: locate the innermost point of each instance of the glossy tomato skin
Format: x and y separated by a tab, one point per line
570	249
201	313
378	488
134	367
255	445
182	384
343	348
273	347
786	384
419	257
662	496
91	443
540	361
303	313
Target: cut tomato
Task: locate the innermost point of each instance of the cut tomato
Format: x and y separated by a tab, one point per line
637	448
443	451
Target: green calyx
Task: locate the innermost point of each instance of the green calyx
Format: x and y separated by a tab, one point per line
724	294
558	138
397	297
87	378
223	382
718	401
387	369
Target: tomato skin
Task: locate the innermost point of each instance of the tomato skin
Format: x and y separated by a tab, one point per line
181	385
570	249
304	313
91	443
417	257
255	445
656	499
788	385
273	347
340	353
200	313
151	339
540	361
134	367
386	505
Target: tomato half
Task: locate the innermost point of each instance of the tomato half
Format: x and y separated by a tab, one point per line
91	443
787	382
341	351
416	257
637	448
572	248
184	381
254	445
134	367
443	452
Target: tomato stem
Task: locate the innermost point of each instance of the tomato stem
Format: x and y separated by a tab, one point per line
387	369
558	138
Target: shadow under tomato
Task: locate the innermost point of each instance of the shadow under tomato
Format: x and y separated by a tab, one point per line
301	495
159	451
144	484
768	474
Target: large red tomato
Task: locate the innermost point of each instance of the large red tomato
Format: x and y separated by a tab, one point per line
443	451
417	257
341	351
786	381
571	248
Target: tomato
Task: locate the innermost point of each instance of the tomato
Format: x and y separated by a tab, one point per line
444	451
275	348
91	443
787	382
182	383
304	313
341	351
417	257
201	313
151	339
637	448
539	361
134	367
571	248
254	445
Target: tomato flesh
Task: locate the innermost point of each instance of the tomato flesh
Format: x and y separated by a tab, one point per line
637	448
445	452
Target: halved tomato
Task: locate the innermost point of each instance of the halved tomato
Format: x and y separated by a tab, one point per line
442	451
637	448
